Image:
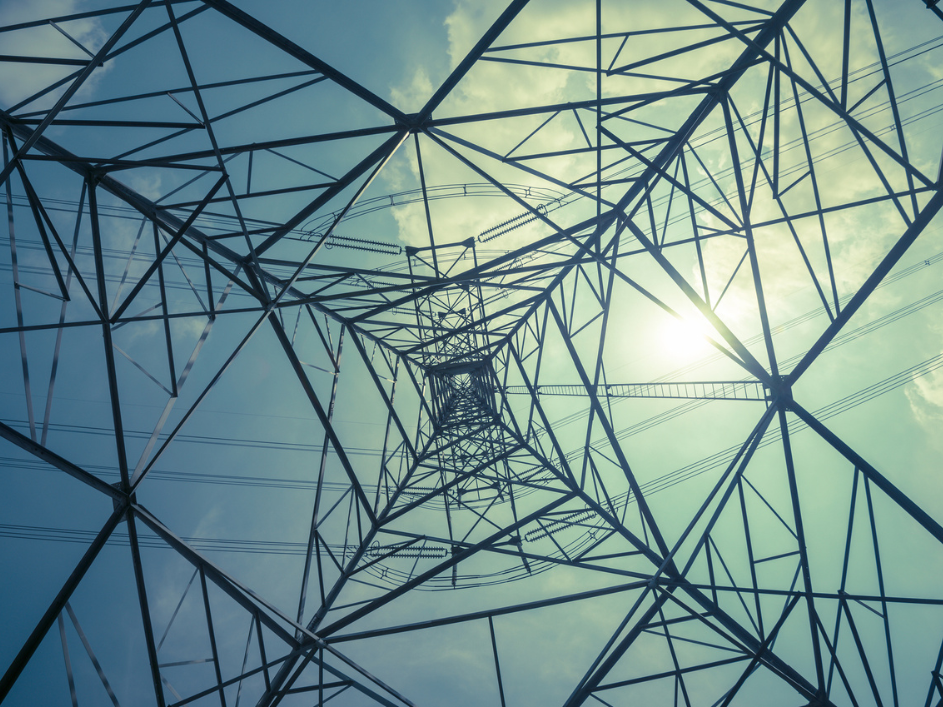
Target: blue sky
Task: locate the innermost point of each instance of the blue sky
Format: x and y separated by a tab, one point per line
219	380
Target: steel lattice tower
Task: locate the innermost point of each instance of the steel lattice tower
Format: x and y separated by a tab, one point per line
328	378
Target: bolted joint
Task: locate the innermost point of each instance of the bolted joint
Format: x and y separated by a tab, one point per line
414	123
122	502
780	389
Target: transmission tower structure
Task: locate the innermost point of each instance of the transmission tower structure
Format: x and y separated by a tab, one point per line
550	353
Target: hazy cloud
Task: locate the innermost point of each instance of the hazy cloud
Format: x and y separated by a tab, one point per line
18	81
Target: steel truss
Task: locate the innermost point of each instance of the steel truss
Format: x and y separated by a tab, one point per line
689	174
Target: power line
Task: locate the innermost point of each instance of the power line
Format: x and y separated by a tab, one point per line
701	466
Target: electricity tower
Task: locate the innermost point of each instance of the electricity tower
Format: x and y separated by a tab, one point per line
588	359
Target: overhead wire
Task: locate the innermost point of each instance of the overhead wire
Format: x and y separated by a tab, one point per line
662	483
621	434
839	340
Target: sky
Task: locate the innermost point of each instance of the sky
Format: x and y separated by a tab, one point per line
342	279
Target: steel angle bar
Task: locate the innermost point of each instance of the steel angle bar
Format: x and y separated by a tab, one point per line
17	297
163	218
387	398
894	255
114	124
76	16
604	421
751	246
436	134
91	654
142	281
249	195
105	165
61	599
18	59
305	57
664	174
863	655
383	153
464	554
145	608
68	661
245	660
53	459
481	46
635	99
264	612
41	218
111	371
425	203
665	565
873	475
173	616
62	312
832	105
281	143
247	599
323	418
212	634
803	548
313	535
483	614
130	262
37	132
376	160
880	575
497	663
668	674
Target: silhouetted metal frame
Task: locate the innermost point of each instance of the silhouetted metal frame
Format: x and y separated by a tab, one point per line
462	416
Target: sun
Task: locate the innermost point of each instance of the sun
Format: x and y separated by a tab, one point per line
686	338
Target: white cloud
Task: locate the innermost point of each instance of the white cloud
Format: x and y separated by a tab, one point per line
925	395
420	87
18	81
147	185
489	86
